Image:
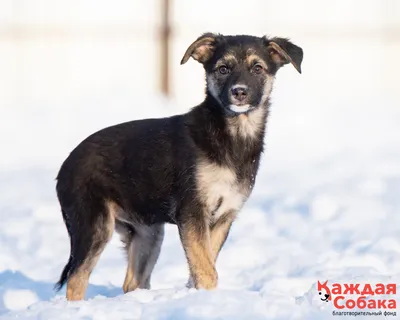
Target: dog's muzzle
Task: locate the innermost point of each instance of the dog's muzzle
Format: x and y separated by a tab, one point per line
238	96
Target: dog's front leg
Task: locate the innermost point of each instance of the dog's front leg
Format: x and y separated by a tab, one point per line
195	237
219	232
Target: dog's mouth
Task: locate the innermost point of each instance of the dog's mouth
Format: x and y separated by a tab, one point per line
240	109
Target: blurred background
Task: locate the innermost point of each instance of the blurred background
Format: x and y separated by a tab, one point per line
63	53
326	201
55	50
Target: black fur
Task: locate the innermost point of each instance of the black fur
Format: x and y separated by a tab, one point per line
148	167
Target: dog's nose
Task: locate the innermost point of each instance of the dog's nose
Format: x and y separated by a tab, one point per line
239	93
326	295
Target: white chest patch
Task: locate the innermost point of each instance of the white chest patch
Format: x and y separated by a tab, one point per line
219	189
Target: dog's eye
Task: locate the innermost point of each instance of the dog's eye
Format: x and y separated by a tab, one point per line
258	69
223	70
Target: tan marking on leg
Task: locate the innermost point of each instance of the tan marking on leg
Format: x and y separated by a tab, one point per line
143	252
115	210
78	282
131	283
76	288
219	233
198	252
128	279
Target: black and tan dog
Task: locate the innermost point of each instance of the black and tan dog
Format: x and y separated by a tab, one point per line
195	170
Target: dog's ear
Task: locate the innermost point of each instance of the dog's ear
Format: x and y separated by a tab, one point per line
202	49
282	51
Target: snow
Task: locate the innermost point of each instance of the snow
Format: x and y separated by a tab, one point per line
319	211
325	207
19	299
326	201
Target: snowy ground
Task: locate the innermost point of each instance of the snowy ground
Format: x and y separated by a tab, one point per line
325	207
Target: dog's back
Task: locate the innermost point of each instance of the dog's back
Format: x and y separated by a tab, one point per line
128	164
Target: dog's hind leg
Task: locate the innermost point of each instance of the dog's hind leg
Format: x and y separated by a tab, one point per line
147	260
90	226
143	251
127	233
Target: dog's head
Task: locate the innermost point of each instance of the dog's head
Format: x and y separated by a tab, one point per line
240	69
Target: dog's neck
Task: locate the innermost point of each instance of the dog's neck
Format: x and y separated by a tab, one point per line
248	126
227	137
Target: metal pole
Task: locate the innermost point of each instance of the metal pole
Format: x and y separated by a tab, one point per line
165	49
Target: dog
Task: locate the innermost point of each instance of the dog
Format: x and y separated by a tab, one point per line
195	170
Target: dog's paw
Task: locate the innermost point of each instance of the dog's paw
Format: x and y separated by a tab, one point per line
190	283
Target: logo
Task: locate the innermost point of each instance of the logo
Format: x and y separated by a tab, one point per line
326	295
371	299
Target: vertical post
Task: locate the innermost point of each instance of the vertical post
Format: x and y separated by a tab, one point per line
165	49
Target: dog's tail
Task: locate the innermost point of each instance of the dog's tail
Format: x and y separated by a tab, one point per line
70	267
65	274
